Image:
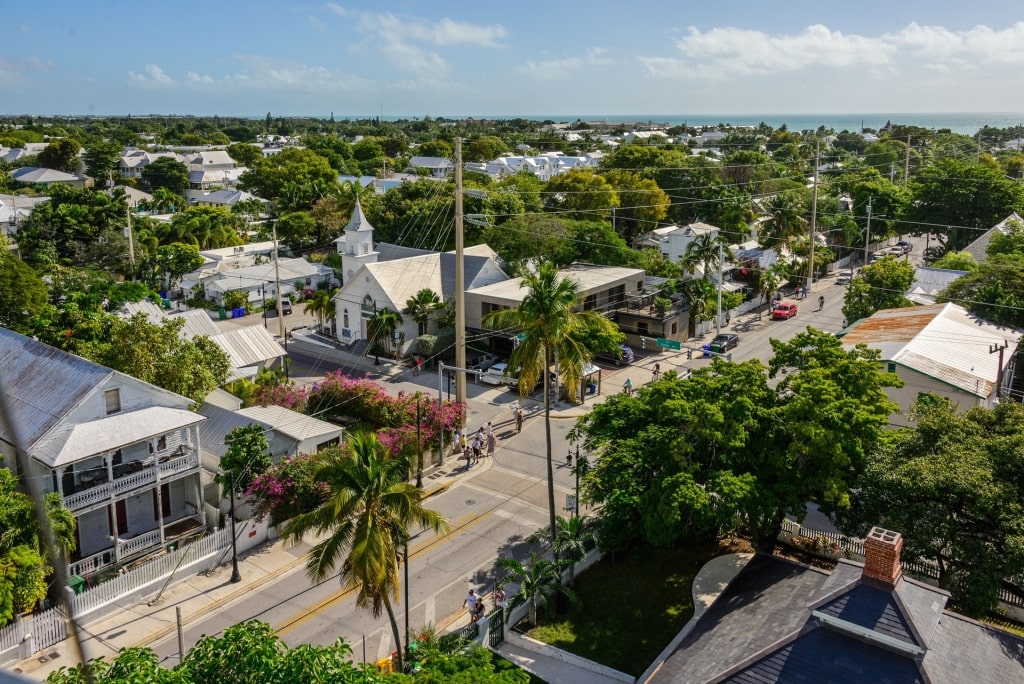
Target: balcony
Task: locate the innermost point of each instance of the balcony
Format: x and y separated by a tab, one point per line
139	545
128	477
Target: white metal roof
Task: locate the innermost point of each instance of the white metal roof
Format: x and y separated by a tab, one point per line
248	346
296	425
942	341
107	434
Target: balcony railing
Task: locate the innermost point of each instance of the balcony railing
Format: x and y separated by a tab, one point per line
134	545
167	467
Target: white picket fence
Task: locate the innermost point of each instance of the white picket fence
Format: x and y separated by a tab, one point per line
41	630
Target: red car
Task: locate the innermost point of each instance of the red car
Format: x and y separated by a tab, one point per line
783	310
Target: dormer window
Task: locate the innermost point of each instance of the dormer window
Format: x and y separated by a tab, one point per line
112	400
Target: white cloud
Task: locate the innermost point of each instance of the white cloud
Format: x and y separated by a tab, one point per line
554	69
406	41
152	77
257	72
726	52
13	72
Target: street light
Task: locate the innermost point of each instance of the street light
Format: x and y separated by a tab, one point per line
419	448
236	577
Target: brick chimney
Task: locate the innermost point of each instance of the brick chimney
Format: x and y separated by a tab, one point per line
882	567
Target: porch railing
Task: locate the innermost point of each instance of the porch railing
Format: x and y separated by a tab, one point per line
132	481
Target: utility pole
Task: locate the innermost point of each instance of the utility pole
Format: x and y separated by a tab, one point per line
131	241
999	348
718	315
277	286
814	215
906	164
460	280
867	238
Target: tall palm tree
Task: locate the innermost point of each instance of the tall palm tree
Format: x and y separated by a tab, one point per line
785	221
536	580
382	328
420	306
367	510
570	544
551	328
771	278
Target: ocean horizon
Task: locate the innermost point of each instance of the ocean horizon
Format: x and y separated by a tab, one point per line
966	123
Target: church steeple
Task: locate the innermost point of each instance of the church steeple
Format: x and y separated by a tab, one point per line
356	247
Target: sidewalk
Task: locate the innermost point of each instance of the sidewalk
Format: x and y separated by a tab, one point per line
198	595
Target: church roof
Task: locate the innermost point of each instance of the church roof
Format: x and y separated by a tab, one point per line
358	222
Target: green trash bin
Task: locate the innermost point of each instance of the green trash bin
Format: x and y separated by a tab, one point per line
77	583
222	313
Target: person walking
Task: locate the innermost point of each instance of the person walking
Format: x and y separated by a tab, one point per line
471	602
467	453
456	441
821	302
490	430
519	419
477	446
499	598
492	441
627	387
656	373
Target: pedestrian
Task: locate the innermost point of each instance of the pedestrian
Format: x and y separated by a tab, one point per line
467	453
499	598
804	291
490	430
627	387
656	373
519	419
471	601
492	441
477	446
821	302
844	323
456	441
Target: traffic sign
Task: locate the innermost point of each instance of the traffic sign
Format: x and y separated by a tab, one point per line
668	344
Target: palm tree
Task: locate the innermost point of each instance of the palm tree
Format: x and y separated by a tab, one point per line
785	221
574	536
551	329
321	305
420	306
166	199
537	579
382	329
771	278
704	252
367	509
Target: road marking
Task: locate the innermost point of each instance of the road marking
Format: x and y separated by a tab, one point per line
460	526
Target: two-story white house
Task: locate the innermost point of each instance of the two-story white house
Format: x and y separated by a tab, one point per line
123	454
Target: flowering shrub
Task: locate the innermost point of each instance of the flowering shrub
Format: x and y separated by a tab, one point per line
287	489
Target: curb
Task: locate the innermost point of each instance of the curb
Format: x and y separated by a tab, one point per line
219	603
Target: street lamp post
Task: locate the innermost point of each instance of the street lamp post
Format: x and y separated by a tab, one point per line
235	575
405	558
581	468
263	292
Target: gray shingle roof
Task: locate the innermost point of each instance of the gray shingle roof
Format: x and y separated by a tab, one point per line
762	629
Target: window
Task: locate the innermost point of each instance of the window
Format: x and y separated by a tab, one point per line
112	400
674	328
161	443
892	368
344	318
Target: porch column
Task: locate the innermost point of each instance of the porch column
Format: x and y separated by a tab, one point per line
112	520
60	480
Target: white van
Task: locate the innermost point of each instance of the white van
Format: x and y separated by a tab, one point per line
495	375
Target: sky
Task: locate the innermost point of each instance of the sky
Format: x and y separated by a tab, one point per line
519	57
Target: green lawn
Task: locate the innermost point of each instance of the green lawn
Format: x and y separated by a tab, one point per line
630	608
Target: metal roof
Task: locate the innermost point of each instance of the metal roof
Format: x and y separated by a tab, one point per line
942	341
107	434
296	425
42	384
197	324
248	346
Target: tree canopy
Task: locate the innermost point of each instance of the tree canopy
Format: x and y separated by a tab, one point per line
880	285
680	458
167	173
951	486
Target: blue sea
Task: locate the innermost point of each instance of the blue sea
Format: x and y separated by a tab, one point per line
967	123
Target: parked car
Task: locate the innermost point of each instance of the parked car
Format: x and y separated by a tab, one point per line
495	374
724	342
625	357
844	279
286	306
906	246
784	309
482	363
